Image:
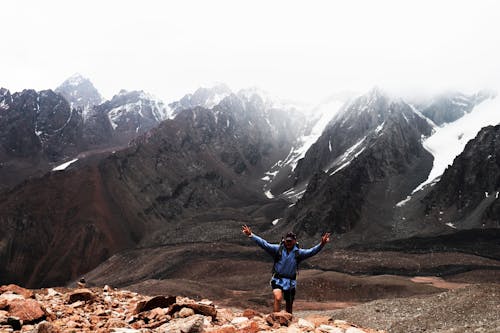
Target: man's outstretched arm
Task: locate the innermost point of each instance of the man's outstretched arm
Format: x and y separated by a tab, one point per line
307	253
269	248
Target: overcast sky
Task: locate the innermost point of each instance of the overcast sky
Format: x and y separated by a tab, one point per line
304	50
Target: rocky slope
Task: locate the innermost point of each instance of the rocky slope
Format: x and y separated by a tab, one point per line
471	309
113	310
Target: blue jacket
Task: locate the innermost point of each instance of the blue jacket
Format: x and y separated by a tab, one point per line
287	265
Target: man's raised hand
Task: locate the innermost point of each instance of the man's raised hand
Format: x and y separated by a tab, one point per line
246	230
325	238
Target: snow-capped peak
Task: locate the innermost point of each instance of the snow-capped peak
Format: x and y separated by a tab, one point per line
75	80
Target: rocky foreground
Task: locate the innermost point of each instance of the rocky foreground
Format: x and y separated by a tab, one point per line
114	310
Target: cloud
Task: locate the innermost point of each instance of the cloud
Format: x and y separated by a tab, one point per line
294	49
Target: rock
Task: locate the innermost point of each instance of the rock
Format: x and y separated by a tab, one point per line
193	324
77	304
224	316
46	327
3	303
250	313
16	290
10	297
250	327
239	320
330	329
305	324
155	302
186	312
81	295
354	330
318	320
51	292
282	318
27	310
107	288
124	330
205	310
224	329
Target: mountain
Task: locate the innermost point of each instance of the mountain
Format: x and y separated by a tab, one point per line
369	156
80	93
194	174
36	129
450	106
200	171
126	116
466	195
39	130
203	96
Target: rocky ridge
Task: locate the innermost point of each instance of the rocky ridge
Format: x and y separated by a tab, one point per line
113	310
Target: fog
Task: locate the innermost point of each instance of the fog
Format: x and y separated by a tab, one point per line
297	50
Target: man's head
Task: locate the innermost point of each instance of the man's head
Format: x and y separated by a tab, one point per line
290	240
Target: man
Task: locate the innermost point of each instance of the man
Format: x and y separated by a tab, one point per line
286	257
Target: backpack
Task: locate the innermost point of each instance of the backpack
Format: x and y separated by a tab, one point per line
278	255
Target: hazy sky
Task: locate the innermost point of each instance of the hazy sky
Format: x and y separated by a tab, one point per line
304	50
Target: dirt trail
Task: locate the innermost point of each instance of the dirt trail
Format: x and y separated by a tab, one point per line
438	282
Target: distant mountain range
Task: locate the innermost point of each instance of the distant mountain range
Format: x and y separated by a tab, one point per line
145	173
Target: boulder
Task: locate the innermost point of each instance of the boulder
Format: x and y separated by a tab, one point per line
154	302
205	310
27	310
305	324
330	329
186	312
81	295
193	324
16	290
250	313
46	327
281	318
239	320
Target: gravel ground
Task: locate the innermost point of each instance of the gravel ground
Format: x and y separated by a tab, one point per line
475	308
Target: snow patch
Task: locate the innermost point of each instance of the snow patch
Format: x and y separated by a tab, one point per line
451	225
268	194
64	165
346	158
403	202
